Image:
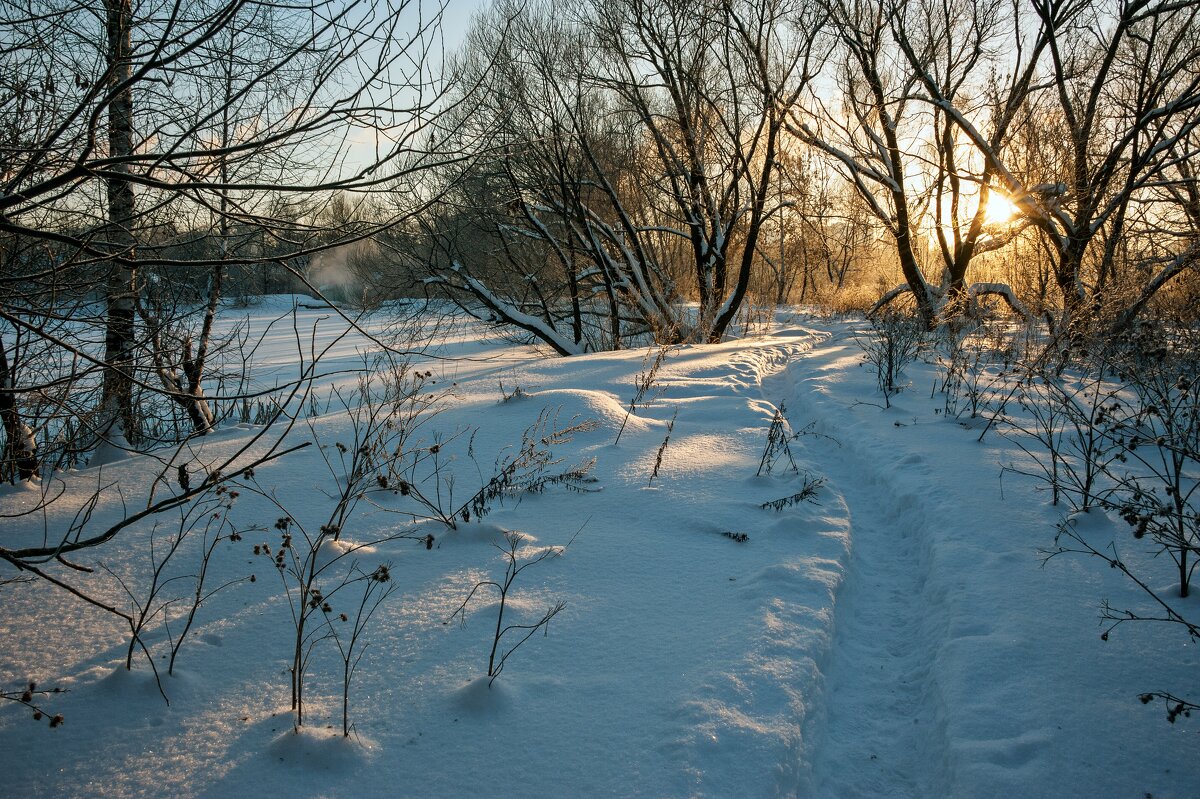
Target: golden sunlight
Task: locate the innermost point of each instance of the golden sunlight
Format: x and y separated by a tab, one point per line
999	209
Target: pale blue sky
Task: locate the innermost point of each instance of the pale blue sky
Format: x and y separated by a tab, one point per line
456	18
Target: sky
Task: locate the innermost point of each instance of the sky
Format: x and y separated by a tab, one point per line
457	18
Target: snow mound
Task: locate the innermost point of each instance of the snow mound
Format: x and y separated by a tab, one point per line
320	750
480	698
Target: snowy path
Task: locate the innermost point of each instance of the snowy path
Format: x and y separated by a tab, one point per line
878	733
960	663
740	729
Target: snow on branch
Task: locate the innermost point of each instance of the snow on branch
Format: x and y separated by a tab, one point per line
510	314
1002	290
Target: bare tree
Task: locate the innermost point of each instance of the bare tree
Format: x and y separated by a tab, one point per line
157	143
1120	88
642	143
867	143
1164	234
120	243
902	153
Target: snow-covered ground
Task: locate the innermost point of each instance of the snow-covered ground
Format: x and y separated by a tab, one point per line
901	636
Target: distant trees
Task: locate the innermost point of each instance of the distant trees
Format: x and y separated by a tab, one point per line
643	157
634	156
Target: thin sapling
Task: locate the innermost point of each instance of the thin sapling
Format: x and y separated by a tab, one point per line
502	647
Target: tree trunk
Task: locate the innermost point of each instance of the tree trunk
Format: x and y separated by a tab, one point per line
912	272
20	448
117	393
1076	314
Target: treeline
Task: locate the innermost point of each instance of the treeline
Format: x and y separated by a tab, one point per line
596	174
641	154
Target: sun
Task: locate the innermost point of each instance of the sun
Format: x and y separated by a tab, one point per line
999	209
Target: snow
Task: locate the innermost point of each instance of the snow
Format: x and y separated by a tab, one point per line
901	636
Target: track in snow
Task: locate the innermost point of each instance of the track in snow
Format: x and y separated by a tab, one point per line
880	732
